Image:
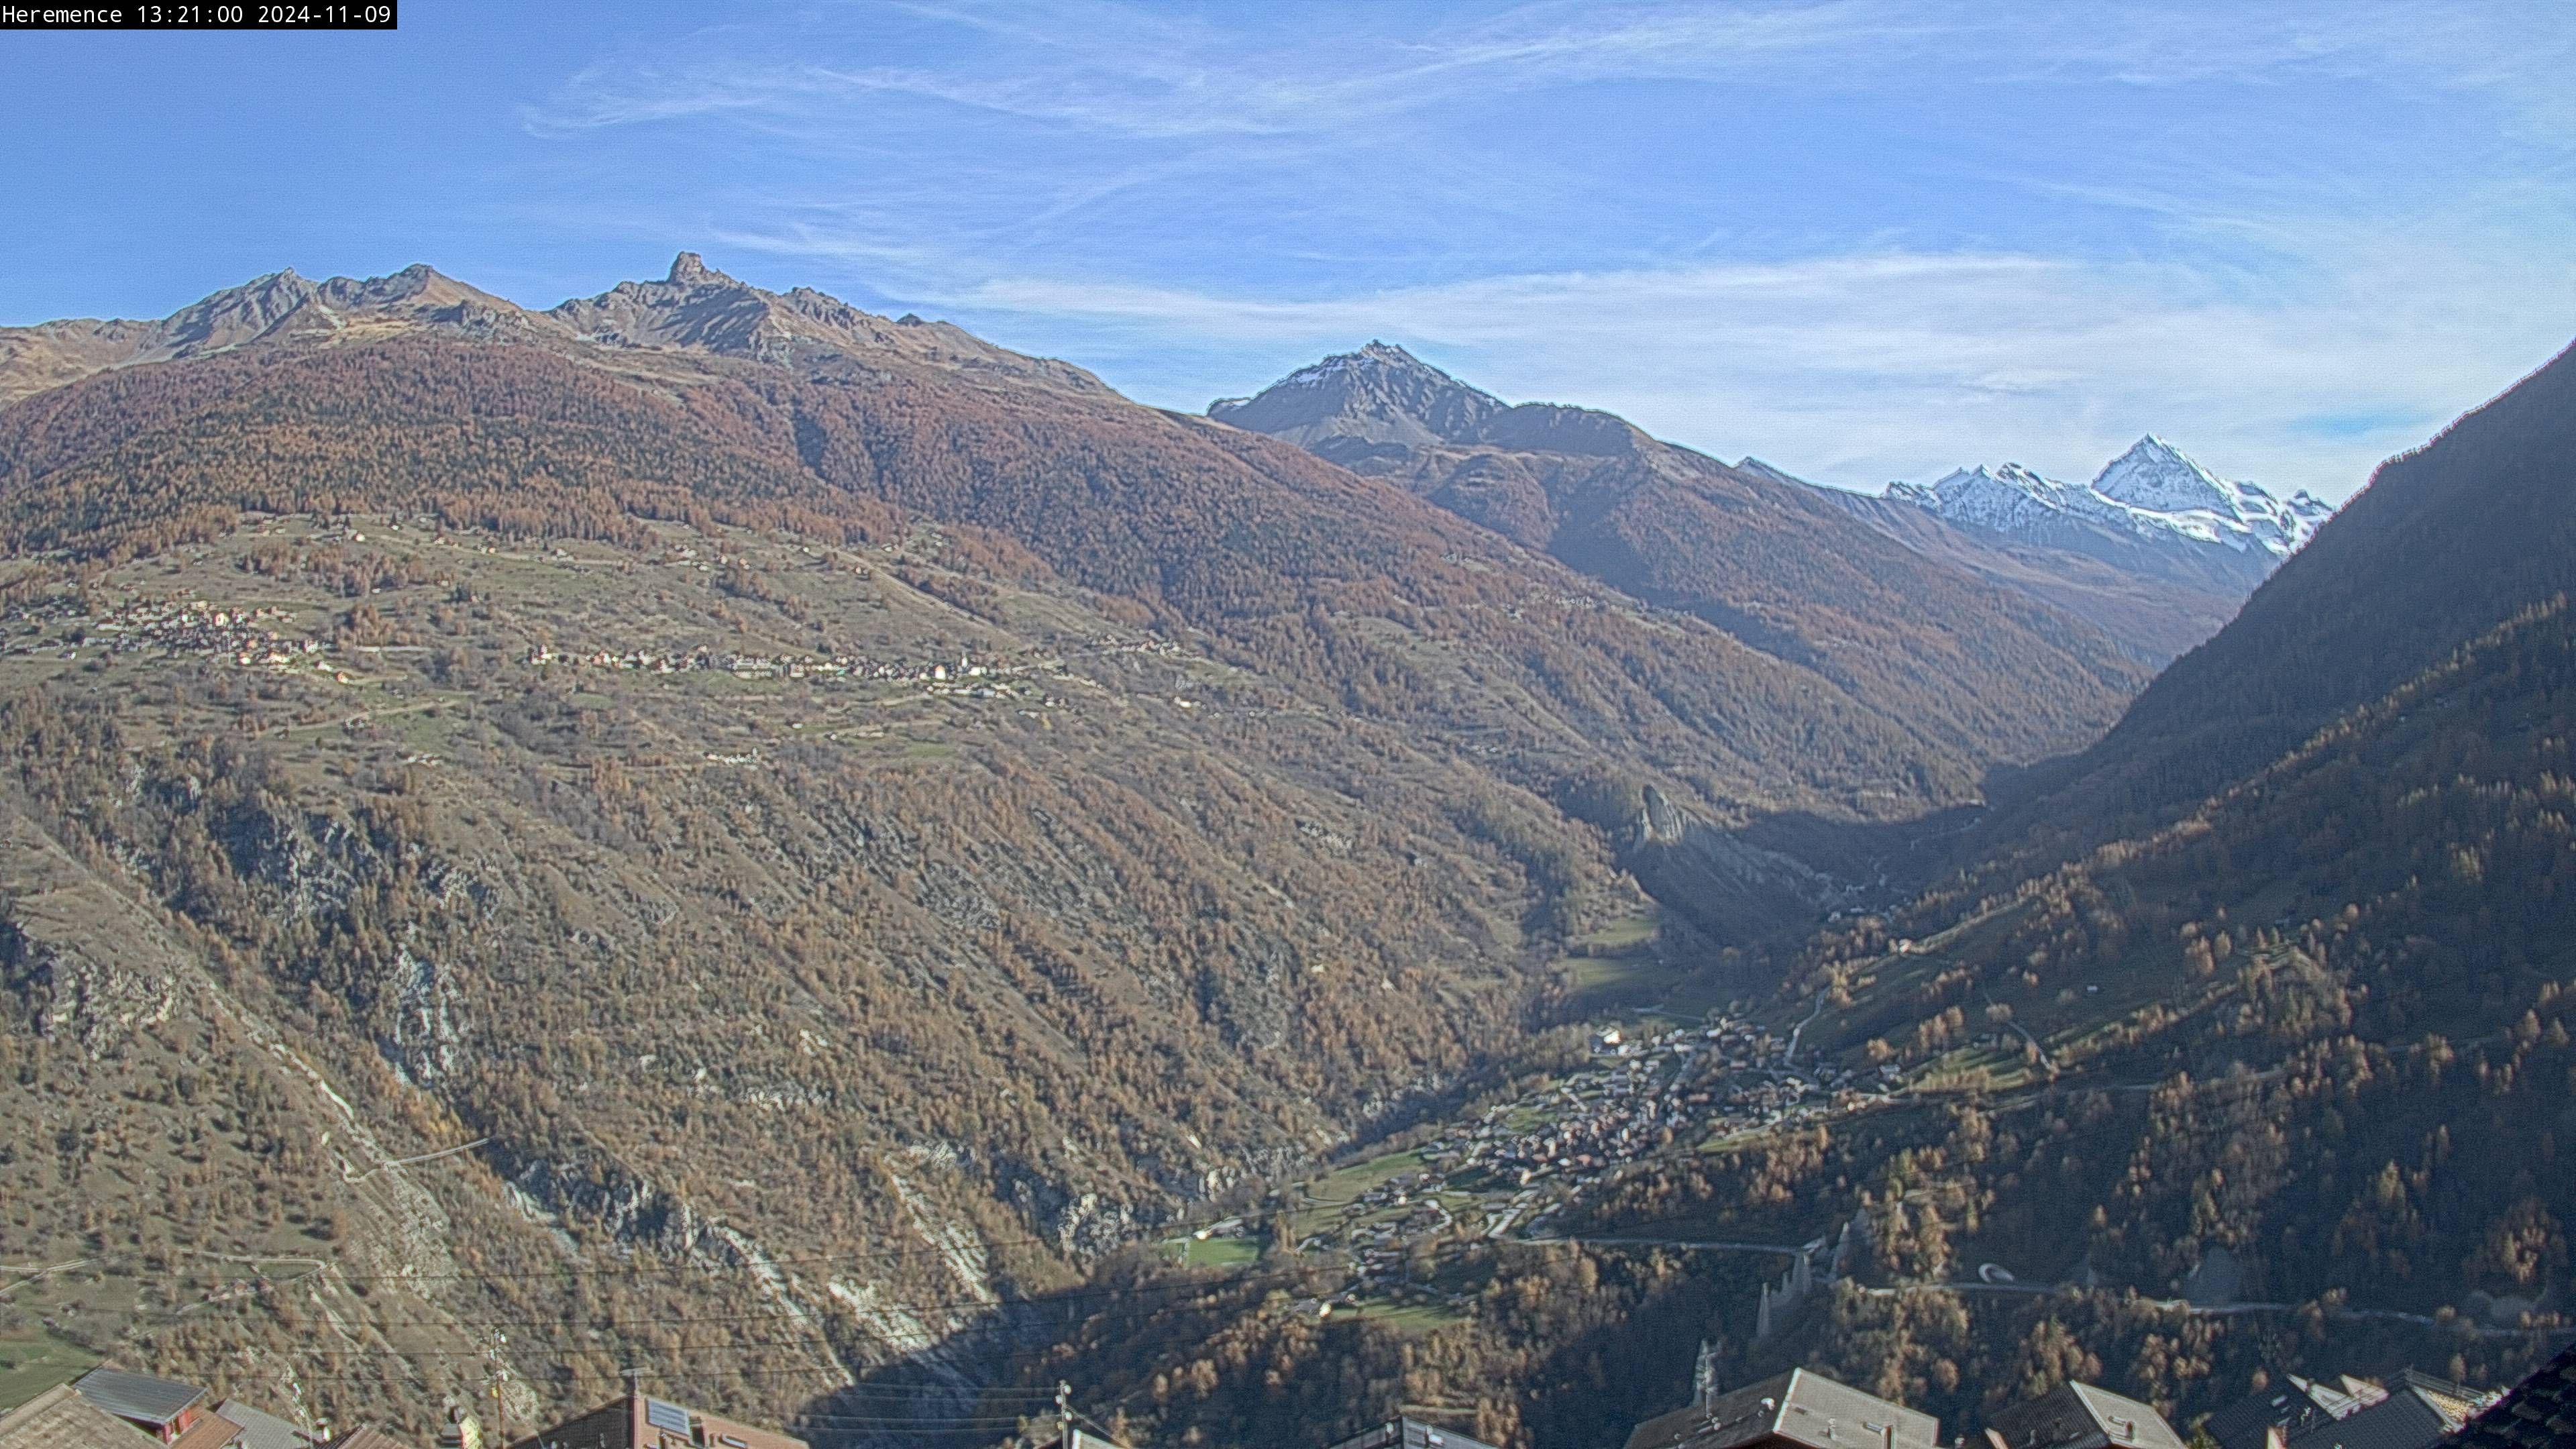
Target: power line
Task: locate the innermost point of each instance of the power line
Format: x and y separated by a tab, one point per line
933	1306
579	1271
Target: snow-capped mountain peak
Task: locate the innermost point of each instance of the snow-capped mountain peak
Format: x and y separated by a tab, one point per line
2161	478
2154	491
2008	498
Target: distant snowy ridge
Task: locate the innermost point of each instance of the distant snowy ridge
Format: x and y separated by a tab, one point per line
2154	490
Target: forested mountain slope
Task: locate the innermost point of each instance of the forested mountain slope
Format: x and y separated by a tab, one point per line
2446	541
2282	1083
2150	606
706	828
2293	1094
1773	562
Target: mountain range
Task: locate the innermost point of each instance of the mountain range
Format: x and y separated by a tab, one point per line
702	827
2153	571
759	777
2152	508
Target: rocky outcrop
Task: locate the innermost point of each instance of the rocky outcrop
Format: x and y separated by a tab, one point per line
1723	885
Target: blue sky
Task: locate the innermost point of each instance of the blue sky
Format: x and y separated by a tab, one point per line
1862	239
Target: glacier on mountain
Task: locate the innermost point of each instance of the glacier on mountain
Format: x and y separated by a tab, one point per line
2154	490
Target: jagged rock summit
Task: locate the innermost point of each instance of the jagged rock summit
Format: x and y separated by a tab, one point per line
279	304
694	308
1379	394
2154	491
1382	403
688	269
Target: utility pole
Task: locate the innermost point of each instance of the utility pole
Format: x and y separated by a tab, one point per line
1064	1413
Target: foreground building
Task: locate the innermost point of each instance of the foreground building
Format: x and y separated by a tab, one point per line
2540	1412
2081	1416
1795	1410
2413	1411
64	1418
638	1420
1408	1434
162	1408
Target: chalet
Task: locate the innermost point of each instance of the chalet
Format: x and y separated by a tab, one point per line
161	1408
1408	1434
1795	1410
64	1418
2080	1416
640	1421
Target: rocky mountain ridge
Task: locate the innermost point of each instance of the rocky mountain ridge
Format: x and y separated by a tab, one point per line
694	309
2154	496
1779	562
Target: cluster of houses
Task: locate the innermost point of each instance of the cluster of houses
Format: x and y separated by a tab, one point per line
965	677
1641	1094
767	666
1727	1075
247	636
1799	1409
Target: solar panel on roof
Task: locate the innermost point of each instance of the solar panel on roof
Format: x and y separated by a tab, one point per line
663	1414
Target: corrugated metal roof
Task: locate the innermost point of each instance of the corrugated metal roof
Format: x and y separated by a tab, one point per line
139	1397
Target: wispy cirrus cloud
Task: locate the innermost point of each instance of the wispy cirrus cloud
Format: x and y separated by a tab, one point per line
1859	368
1131	71
1866	238
1125	71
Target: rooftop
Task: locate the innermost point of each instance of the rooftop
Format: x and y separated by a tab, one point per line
139	1397
641	1421
261	1429
60	1418
210	1431
1409	1434
1797	1407
2081	1416
2539	1412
